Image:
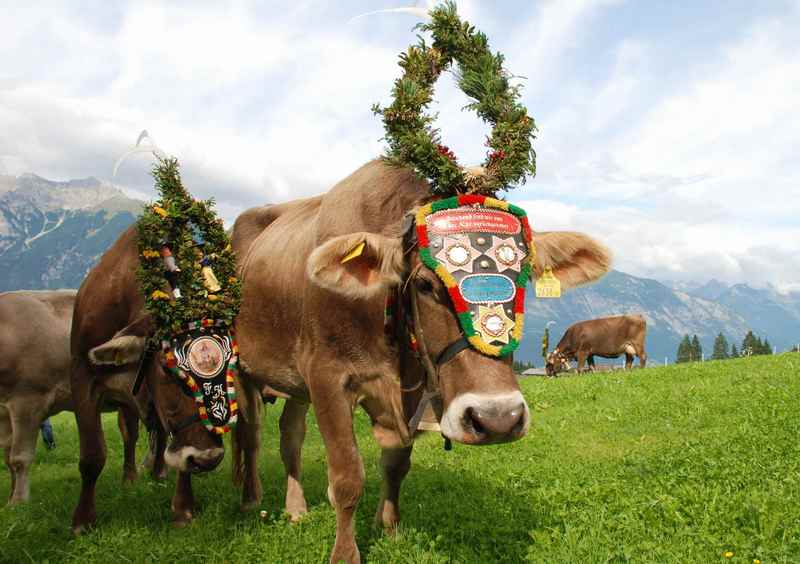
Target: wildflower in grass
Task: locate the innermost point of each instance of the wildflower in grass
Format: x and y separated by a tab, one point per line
727	554
756	561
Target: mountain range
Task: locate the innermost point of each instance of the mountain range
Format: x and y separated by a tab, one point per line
51	233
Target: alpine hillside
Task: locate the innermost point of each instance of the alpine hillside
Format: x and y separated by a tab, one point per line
51	233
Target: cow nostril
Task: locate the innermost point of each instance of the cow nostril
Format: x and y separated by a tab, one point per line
472	419
519	415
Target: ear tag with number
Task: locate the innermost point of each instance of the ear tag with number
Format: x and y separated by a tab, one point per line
355	252
547	285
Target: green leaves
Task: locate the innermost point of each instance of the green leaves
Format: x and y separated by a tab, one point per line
174	219
411	137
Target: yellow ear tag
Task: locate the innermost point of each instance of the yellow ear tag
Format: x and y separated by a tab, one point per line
547	285
356	252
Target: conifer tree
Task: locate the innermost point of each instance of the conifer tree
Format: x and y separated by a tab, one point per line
734	352
720	348
749	345
697	349
684	350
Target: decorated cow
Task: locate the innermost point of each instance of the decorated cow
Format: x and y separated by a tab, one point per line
316	328
35	381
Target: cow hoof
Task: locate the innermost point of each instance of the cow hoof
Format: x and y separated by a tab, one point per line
349	555
182	520
296	515
247	506
129	477
159	476
79	530
387	519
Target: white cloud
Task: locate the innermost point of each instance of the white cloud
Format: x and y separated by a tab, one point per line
686	178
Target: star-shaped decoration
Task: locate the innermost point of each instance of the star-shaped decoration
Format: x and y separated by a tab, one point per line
457	253
493	324
505	253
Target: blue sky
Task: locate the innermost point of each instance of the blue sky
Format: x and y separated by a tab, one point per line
669	130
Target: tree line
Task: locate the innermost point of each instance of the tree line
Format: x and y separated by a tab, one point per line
690	349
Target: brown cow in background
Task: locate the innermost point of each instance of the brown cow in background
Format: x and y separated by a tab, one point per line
34	380
608	337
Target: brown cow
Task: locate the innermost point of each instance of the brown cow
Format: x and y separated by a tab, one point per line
311	328
34	380
109	329
608	337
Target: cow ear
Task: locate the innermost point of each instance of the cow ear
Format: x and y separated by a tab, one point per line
357	265
119	351
574	258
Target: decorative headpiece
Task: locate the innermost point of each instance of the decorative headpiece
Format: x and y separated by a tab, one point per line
415	143
183	246
482	250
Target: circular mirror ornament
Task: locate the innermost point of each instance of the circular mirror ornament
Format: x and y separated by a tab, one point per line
458	255
506	254
414	142
493	324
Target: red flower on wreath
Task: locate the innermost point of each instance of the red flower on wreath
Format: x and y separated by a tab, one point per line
446	152
498	155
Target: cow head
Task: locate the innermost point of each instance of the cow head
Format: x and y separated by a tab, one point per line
481	400
556	362
192	448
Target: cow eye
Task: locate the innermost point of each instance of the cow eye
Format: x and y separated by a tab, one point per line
424	285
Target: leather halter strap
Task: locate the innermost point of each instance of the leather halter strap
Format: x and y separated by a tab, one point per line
184	423
410	324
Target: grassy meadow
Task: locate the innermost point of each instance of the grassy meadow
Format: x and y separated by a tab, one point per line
687	463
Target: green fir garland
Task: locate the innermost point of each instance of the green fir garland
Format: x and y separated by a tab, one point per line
415	143
177	219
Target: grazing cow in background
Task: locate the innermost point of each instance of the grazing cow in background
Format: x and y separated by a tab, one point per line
34	379
312	326
608	337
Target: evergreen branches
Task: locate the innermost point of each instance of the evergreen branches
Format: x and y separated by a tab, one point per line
412	139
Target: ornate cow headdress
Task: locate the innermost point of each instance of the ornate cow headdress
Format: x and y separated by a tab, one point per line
183	248
479	246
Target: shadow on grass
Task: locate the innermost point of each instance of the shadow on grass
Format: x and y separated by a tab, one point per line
445	512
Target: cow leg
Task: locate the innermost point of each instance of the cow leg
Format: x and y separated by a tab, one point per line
293	433
334	411
128	422
183	500
7	457
581	356
628	361
154	461
249	436
5	444
25	430
395	463
92	452
591	363
642	359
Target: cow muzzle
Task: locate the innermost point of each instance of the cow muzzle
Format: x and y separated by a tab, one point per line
192	460
482	419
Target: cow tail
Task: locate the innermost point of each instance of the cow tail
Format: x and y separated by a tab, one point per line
237	468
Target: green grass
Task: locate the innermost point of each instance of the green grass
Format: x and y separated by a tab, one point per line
677	464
